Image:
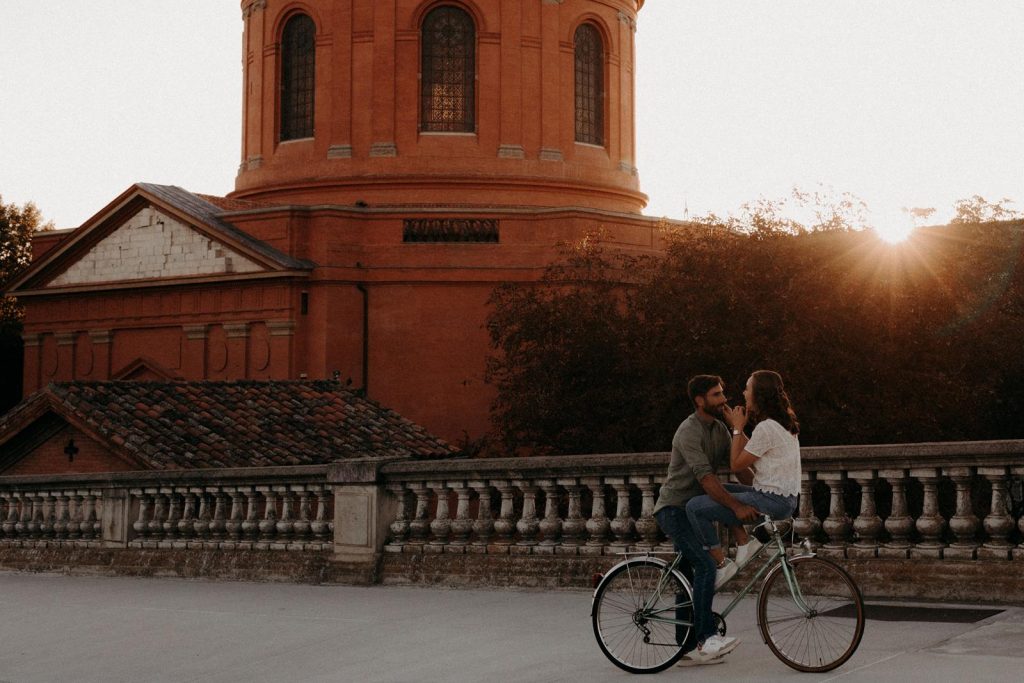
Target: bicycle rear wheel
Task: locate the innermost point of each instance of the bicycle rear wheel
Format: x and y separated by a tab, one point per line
624	629
822	638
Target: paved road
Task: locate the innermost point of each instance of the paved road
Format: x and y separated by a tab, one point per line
59	628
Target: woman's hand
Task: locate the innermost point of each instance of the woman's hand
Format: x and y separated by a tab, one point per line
736	417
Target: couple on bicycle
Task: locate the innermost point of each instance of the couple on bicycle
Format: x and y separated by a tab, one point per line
767	463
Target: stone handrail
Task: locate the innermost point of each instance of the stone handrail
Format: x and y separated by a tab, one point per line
373	519
280	508
603	504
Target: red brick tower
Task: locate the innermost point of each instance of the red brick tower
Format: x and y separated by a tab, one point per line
400	158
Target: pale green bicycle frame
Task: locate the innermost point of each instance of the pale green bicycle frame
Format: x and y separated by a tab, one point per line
778	556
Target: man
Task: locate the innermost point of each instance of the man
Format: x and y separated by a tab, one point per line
699	448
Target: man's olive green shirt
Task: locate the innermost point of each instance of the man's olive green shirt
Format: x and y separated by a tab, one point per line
698	450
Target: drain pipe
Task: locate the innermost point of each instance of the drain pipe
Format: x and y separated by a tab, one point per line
366	337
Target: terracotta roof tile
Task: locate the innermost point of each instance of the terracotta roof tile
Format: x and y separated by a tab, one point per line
243	423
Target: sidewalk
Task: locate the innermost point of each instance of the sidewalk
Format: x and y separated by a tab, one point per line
59	628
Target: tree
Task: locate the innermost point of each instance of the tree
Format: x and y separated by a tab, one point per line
878	344
17	225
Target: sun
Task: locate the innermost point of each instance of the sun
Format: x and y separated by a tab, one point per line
893	226
894	234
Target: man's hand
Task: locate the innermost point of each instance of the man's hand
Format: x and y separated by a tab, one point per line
746	513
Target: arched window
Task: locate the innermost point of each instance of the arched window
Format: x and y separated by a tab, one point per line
448	71
589	85
298	64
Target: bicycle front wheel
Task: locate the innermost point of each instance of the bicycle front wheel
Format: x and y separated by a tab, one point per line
825	634
627	608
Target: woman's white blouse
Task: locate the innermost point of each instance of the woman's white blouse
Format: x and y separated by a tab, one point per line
777	469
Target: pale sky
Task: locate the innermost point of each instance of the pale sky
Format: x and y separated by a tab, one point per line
902	102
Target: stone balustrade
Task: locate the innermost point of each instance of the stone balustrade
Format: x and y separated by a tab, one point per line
943	501
954	509
253	509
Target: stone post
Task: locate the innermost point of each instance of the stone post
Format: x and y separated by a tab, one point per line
363	510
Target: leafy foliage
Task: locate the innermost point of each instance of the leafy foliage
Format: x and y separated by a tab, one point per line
878	343
16	227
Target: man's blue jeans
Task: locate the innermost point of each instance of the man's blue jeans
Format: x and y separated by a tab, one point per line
674	523
702	511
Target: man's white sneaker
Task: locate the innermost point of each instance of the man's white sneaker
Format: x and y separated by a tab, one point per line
745	552
714	647
724	573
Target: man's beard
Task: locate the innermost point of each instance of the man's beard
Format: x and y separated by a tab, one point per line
716	411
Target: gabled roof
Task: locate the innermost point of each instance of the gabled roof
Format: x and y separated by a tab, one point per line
186	206
199	425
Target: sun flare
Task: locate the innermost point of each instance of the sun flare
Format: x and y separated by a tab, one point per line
894	233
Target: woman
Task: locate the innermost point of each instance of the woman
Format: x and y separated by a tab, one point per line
772	454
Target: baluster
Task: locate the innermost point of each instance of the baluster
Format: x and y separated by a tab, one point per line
10	522
141	525
551	525
218	520
35	525
837	525
964	524
930	524
156	524
61	516
623	524
74	528
998	523
868	525
47	517
419	527
203	515
483	525
97	525
574	525
441	526
268	525
598	526
899	523
505	525
24	516
3	511
170	524
807	525
399	528
233	524
251	524
88	514
303	526
528	525
462	525
187	523
321	526
646	526
286	524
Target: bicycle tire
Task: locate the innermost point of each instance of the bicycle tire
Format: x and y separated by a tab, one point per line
828	636
619	625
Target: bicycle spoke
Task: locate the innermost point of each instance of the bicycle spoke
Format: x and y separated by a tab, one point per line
626	616
823	637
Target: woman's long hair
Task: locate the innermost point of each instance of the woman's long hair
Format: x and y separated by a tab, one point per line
771	401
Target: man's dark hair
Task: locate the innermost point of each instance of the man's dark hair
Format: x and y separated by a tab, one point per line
700	385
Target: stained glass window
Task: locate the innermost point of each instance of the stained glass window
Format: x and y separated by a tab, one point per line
448	72
298	66
589	85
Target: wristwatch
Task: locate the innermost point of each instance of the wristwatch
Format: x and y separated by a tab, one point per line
736	432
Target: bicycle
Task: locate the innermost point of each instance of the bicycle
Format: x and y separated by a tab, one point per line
809	611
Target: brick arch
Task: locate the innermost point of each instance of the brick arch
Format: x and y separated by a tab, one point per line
471	8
